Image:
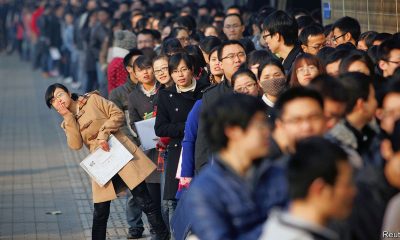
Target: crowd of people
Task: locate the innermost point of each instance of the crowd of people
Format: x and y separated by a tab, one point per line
270	125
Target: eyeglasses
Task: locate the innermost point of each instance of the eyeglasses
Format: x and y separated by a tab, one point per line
182	70
317	47
303	70
184	39
395	62
240	55
266	35
159	71
247	87
298	120
334	39
234	26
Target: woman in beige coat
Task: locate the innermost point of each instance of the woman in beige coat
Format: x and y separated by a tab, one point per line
89	120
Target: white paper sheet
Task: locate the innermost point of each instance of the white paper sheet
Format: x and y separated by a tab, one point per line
102	166
147	135
55	53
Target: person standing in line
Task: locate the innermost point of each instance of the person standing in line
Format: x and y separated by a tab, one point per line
90	120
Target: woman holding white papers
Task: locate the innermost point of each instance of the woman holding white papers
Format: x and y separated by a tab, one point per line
89	120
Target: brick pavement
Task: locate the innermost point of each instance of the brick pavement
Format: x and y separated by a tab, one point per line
38	173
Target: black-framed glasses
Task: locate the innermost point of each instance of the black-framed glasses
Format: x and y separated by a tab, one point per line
317	47
266	35
395	62
334	39
232	56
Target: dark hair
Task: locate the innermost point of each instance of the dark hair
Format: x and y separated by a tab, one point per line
329	88
227	43
170	46
354	56
142	23
315	157
373	54
209	43
235	15
161	56
248	45
336	55
267	62
175	59
235	7
49	95
368	37
346	46
323	54
228	110
142	62
280	22
392	87
257	57
146	32
386	47
382	37
308	59
187	22
243	71
311	30
293	94
198	59
175	31
215	49
304	21
128	57
357	86
348	25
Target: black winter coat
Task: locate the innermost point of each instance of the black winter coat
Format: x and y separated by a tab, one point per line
172	111
202	152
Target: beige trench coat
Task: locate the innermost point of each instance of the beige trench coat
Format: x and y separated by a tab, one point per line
97	119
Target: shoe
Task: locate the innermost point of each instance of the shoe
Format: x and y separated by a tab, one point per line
135	235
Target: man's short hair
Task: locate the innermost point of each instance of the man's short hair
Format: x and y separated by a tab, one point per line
227	43
229	110
392	87
348	25
128	58
336	55
356	55
280	22
357	86
147	32
311	30
386	47
143	62
329	87
293	94
315	158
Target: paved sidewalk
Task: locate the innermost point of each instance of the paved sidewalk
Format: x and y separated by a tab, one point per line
38	173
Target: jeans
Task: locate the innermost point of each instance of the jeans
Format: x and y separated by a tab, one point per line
142	198
102	81
134	217
167	206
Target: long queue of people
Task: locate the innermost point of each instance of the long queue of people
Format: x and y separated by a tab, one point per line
270	125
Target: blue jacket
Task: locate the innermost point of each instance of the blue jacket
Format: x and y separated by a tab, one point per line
222	205
271	185
189	140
